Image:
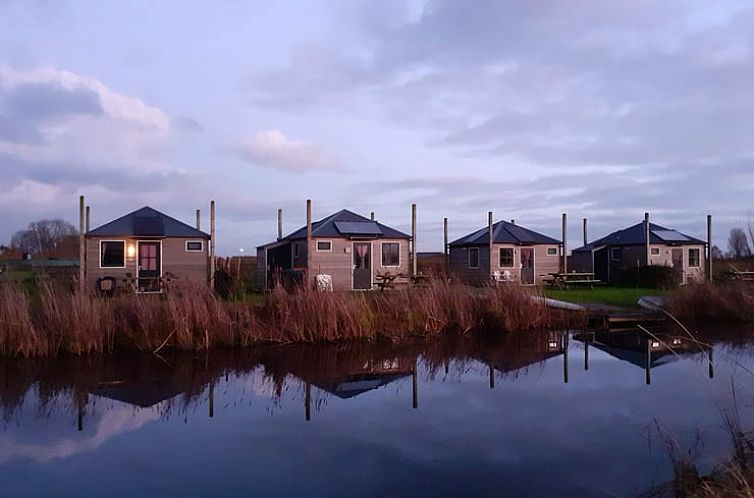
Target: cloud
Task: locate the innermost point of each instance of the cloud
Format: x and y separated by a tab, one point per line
272	149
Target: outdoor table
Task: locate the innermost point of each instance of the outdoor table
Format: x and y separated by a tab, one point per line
563	280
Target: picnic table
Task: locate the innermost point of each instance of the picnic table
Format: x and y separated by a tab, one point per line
744	276
563	280
390	280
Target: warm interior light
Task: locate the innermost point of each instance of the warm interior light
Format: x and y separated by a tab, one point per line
676	341
131	251
552	344
655	344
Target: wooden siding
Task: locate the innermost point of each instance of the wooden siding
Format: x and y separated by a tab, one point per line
543	263
184	265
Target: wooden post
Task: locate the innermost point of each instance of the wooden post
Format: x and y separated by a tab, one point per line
309	239
709	248
88	213
711	365
565	358
308	401
415	388
586	235
413	240
491	237
565	242
648	362
198	219
82	244
445	249
280	224
646	238
212	242
586	352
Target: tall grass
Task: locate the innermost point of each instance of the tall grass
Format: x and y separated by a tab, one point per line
732	301
192	318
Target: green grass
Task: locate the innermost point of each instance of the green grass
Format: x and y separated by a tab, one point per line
615	296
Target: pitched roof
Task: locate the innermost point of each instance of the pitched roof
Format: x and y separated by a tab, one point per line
634	235
348	224
504	232
146	222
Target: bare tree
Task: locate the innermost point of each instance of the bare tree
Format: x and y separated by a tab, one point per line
717	253
738	244
43	237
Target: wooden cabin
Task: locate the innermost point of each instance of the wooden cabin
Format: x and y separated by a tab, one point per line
143	250
612	256
351	249
519	255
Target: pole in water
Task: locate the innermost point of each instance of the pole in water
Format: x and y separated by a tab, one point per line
492	376
648	362
565	358
308	401
415	388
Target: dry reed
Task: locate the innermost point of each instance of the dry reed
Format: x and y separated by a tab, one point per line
732	301
193	318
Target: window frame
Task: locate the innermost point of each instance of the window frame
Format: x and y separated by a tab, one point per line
654	251
200	242
473	249
318	242
382	254
500	257
612	254
698	257
125	254
552	251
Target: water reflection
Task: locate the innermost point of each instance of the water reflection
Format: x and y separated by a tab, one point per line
493	414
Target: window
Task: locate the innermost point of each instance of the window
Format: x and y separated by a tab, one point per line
474	257
112	254
296	251
552	251
324	246
616	254
694	258
194	246
506	257
655	251
391	254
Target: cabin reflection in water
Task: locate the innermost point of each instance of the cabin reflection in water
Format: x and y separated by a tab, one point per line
645	350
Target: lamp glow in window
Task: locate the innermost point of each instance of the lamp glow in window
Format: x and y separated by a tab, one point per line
655	344
552	344
131	251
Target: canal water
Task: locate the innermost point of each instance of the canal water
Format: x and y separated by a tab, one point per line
576	415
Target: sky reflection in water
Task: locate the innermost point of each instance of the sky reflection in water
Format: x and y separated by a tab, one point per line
399	420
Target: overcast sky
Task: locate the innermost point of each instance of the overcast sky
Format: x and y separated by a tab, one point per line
599	109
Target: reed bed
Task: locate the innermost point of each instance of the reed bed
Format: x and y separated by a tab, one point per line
732	302
193	318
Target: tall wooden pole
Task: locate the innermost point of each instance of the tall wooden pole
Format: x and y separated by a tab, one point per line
309	239
491	237
82	244
212	243
564	228
586	233
709	248
445	241
88	217
646	238
198	219
280	224
413	239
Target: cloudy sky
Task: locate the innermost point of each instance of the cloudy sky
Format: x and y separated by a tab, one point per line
530	109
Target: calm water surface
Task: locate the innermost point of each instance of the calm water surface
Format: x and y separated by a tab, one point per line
533	415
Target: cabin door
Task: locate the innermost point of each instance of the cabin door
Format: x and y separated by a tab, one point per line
362	265
677	256
150	267
527	265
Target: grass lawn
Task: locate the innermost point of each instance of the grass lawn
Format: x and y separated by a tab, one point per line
616	296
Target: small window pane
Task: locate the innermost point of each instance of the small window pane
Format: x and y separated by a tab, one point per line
616	254
551	251
474	257
694	258
194	246
391	255
506	257
655	251
324	245
113	254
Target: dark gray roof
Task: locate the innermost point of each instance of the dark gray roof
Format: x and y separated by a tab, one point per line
147	222
348	224
634	235
504	232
